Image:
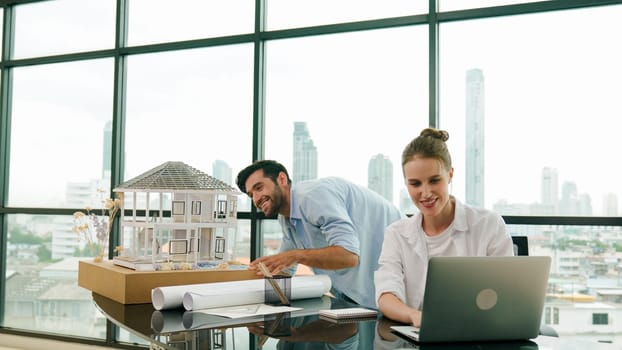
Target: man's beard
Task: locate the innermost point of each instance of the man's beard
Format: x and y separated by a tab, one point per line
277	200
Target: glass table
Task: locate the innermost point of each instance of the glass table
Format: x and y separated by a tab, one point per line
303	329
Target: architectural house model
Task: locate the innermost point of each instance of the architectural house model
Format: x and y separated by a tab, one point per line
175	217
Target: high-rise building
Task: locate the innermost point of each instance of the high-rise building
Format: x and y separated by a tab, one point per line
549	192
305	154
380	176
584	204
610	205
474	127
222	171
569	203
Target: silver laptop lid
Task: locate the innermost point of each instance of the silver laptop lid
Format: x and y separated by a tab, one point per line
484	298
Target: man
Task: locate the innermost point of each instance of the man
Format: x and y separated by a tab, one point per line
331	225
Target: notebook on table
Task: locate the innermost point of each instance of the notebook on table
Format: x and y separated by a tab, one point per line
347	314
481	299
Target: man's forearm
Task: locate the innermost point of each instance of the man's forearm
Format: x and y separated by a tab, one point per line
329	258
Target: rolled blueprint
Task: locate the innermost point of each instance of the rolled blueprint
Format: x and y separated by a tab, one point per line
221	294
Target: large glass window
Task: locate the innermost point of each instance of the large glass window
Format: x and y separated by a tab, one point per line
42	270
60	132
155	21
284	14
531	122
336	102
193	106
584	280
452	5
346	105
64	26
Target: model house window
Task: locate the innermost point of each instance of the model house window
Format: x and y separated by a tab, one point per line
196	207
195	244
222	209
219	250
598	318
178	246
179	207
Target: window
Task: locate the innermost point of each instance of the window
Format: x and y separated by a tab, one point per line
65	32
194	100
42	252
452	5
346	90
60	130
196	207
284	14
179	207
598	318
506	91
158	21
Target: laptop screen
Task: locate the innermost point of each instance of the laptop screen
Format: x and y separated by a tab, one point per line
484	298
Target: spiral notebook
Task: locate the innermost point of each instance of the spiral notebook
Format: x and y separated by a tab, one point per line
348	313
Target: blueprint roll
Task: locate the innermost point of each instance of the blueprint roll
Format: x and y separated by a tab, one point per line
172	297
252	292
220	294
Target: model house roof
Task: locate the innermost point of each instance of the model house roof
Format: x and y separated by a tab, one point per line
175	176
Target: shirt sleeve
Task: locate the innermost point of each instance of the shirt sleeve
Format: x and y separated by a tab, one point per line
389	277
501	241
287	244
328	211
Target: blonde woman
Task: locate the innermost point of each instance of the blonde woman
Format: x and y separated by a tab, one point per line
443	226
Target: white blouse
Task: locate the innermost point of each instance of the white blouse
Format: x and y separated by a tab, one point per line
403	261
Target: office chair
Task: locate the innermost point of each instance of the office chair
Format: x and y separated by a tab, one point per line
521	247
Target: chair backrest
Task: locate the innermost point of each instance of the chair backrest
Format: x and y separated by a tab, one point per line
521	245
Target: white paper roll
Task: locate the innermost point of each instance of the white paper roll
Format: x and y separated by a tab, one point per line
220	294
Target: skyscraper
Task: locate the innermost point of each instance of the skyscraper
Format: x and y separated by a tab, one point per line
610	204
380	176
569	203
549	192
305	154
222	171
474	138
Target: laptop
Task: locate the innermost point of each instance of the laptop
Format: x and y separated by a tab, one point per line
480	298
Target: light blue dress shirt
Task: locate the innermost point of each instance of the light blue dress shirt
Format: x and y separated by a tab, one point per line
335	212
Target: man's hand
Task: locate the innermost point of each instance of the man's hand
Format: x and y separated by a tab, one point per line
329	258
276	263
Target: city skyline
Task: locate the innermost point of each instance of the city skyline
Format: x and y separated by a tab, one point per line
555	198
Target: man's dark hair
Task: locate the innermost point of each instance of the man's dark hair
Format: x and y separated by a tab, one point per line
270	169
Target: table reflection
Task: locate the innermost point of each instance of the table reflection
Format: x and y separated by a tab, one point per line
302	329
